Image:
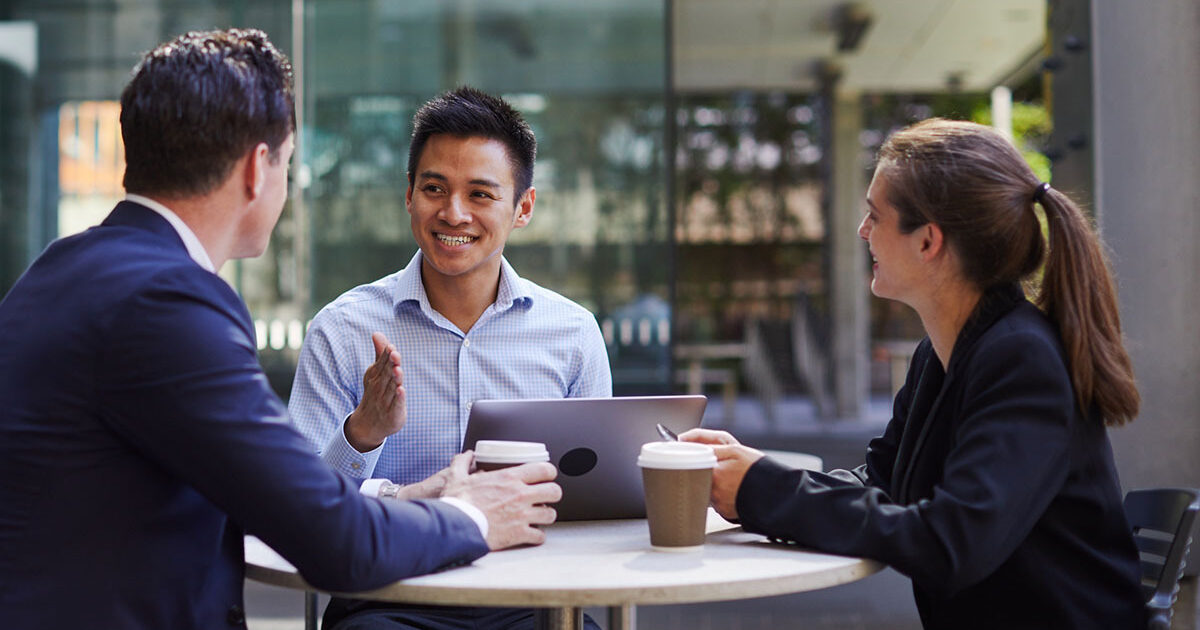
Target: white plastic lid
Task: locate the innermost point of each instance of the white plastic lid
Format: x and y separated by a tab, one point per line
509	452
676	455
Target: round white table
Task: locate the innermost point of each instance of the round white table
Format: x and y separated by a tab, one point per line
603	563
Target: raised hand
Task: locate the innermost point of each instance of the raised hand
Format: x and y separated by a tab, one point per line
381	412
513	499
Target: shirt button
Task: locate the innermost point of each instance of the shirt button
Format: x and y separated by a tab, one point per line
356	466
466	343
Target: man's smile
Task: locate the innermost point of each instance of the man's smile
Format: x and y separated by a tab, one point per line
454	240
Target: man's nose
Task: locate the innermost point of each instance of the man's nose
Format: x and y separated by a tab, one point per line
454	212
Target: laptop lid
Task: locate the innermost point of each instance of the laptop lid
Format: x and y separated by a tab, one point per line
594	442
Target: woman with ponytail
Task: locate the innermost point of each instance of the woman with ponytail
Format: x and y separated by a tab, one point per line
993	487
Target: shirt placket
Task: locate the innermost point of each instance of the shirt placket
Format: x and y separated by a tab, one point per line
466	384
472	385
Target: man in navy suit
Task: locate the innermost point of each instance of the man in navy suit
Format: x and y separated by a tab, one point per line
139	439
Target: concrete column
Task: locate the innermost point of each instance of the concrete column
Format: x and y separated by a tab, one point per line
848	314
1147	107
1070	96
301	173
1126	101
1002	105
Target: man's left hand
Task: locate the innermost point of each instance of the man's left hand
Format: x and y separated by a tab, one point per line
381	412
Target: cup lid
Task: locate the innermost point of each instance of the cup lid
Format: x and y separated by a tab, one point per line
510	452
676	455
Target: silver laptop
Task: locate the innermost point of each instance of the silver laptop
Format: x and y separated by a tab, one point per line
594	442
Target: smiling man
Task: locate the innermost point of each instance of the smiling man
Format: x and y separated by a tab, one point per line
465	326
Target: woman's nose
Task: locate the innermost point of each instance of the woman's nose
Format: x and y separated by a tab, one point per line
864	229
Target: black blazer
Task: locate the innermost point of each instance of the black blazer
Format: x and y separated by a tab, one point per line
139	438
989	488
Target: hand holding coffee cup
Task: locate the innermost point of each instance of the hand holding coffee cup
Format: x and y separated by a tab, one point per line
515	496
677	478
733	461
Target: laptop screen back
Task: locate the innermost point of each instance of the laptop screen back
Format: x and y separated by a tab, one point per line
594	442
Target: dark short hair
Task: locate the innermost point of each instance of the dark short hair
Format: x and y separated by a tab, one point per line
468	112
197	104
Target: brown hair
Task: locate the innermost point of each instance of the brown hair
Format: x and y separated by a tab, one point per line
197	104
973	184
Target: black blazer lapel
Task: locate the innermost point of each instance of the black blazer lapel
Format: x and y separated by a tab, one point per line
926	426
923	419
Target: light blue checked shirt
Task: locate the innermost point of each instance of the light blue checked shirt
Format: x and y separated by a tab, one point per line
531	343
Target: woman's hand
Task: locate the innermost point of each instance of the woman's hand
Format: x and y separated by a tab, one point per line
733	460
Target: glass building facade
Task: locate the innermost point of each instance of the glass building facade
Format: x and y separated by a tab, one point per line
590	79
693	222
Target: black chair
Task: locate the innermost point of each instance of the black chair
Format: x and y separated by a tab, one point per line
1162	520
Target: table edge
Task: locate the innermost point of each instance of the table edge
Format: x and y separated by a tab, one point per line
854	569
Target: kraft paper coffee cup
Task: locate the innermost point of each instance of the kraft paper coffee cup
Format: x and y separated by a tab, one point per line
497	454
677	478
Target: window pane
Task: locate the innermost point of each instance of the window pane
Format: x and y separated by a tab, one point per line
589	78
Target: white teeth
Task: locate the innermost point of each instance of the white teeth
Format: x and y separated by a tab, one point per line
454	240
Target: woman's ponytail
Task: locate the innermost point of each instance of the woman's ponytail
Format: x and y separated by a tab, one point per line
1079	295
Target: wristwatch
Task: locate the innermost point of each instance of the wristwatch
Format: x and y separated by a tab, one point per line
390	490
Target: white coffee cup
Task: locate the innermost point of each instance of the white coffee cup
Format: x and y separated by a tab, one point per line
496	454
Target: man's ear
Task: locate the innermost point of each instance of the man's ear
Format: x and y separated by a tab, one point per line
525	208
933	241
255	170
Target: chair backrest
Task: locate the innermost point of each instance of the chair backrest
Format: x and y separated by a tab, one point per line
1162	520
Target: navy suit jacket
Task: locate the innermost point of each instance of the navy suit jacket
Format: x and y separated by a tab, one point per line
139	440
990	488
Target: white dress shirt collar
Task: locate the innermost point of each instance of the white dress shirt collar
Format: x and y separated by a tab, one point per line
194	248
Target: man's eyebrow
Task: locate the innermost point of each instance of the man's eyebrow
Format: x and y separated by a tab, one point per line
872	205
485	182
474	182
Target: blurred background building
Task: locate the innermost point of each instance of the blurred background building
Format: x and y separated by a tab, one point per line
700	175
716	245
